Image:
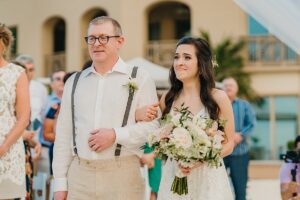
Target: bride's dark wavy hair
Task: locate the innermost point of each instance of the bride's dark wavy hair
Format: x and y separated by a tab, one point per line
205	75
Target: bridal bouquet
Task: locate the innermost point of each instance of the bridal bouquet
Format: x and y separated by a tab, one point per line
188	139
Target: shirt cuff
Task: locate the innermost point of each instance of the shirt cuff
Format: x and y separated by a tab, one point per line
60	184
139	153
122	135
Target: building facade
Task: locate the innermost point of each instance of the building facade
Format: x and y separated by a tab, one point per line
53	33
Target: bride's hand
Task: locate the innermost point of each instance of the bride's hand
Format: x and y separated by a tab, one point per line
184	170
147	113
187	170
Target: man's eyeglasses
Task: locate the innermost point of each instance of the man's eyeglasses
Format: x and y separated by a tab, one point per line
103	39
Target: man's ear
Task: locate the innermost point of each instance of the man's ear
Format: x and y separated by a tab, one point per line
120	41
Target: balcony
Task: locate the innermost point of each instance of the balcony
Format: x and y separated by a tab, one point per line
259	51
268	50
55	62
161	52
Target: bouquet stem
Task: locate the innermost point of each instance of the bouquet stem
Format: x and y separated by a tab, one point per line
179	185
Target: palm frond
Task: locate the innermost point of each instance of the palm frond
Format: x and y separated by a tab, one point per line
229	57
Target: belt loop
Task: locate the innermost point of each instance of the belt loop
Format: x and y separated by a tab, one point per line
118	161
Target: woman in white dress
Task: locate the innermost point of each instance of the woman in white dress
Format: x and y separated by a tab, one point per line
192	83
14	117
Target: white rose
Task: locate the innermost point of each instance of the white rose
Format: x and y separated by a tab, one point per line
202	133
218	138
165	131
152	138
202	123
175	119
133	83
182	138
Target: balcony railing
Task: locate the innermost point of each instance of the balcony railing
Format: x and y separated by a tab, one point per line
259	51
55	62
268	50
161	52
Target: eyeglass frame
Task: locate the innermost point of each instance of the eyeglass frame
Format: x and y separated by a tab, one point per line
98	38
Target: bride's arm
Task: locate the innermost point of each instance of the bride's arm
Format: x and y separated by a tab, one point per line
147	113
226	113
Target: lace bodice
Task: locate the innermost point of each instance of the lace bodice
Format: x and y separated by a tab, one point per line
12	163
203	182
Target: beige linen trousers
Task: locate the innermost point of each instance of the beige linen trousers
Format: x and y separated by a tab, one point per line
105	179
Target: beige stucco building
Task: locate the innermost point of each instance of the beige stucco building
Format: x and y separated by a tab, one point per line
37	21
52	32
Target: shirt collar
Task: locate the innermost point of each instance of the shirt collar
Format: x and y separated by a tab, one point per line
53	96
120	67
235	100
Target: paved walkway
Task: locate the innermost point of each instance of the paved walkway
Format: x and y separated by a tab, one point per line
263	190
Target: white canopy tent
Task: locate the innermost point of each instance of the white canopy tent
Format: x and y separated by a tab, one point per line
158	73
280	17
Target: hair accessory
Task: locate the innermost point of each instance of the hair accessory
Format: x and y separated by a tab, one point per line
214	62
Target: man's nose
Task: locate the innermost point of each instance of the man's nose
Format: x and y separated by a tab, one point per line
97	43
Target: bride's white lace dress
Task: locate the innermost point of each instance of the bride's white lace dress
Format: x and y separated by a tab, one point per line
204	183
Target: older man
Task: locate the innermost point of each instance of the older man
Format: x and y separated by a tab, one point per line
89	164
244	120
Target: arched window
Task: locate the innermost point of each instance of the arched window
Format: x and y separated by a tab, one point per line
54	45
59	36
169	21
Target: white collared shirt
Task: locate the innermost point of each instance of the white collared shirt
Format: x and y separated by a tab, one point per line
100	102
38	98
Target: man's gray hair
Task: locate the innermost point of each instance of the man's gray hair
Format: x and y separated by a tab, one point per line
104	19
25	59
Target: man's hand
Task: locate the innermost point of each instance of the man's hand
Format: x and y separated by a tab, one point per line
60	195
28	135
148	159
102	139
37	151
237	138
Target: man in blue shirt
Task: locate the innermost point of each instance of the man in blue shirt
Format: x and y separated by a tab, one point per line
244	120
54	99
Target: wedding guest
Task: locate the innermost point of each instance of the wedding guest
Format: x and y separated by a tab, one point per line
244	121
38	98
30	142
52	106
289	185
14	118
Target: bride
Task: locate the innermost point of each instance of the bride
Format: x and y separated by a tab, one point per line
192	83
